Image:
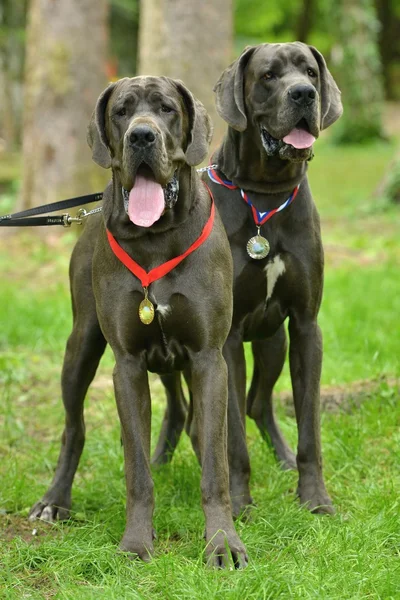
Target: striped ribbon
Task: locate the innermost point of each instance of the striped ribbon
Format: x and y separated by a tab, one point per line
259	217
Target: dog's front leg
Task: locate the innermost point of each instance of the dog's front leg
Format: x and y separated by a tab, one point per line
305	356
134	409
209	388
83	352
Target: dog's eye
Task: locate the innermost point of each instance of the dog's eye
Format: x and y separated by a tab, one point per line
166	109
121	112
311	73
268	75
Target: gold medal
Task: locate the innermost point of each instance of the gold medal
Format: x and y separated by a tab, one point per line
258	247
146	309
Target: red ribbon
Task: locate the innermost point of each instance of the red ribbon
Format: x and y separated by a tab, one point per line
147	277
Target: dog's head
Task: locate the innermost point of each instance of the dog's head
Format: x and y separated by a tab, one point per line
284	90
146	128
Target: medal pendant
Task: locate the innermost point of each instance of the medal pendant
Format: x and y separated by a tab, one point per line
257	246
146	310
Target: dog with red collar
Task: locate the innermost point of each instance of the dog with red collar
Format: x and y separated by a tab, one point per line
151	276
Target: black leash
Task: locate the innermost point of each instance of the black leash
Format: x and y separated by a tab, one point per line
25	217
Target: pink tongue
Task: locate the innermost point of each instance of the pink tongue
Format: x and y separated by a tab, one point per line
299	138
146	202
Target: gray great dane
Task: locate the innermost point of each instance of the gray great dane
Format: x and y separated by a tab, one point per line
151	132
276	98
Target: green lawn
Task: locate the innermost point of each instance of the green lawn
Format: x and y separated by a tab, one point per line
293	554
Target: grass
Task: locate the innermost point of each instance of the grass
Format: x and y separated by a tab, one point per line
293	554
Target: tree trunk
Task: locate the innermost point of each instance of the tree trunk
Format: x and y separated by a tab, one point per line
12	24
65	73
188	40
7	113
359	72
388	39
305	20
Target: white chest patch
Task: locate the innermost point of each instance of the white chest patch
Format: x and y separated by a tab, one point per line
273	270
164	309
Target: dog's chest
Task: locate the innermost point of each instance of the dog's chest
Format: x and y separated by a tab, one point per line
261	301
273	270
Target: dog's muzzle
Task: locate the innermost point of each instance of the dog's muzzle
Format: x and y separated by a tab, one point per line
275	147
171	192
271	144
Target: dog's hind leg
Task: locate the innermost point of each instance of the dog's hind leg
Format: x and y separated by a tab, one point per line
269	357
191	423
173	421
84	350
239	462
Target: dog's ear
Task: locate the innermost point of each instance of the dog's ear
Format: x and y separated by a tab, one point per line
96	134
200	127
331	103
229	91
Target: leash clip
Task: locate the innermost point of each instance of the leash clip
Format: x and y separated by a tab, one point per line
204	169
80	215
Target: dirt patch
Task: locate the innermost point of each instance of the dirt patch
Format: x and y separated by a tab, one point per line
345	397
12	526
333	398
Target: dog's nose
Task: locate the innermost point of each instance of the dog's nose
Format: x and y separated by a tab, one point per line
142	136
303	95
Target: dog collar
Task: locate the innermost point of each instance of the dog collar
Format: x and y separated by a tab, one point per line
146	308
258	246
171	192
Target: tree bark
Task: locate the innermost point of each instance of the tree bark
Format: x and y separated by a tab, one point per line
389	43
305	20
64	75
359	72
7	112
12	24
188	40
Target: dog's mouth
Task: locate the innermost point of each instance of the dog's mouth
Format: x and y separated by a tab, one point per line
300	137
295	146
147	200
271	144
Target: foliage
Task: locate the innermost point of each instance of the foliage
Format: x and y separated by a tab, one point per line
257	22
391	189
359	68
124	26
262	20
12	22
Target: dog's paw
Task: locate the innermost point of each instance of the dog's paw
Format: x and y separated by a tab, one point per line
286	460
48	512
242	510
316	500
163	457
226	551
138	546
137	550
242	504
